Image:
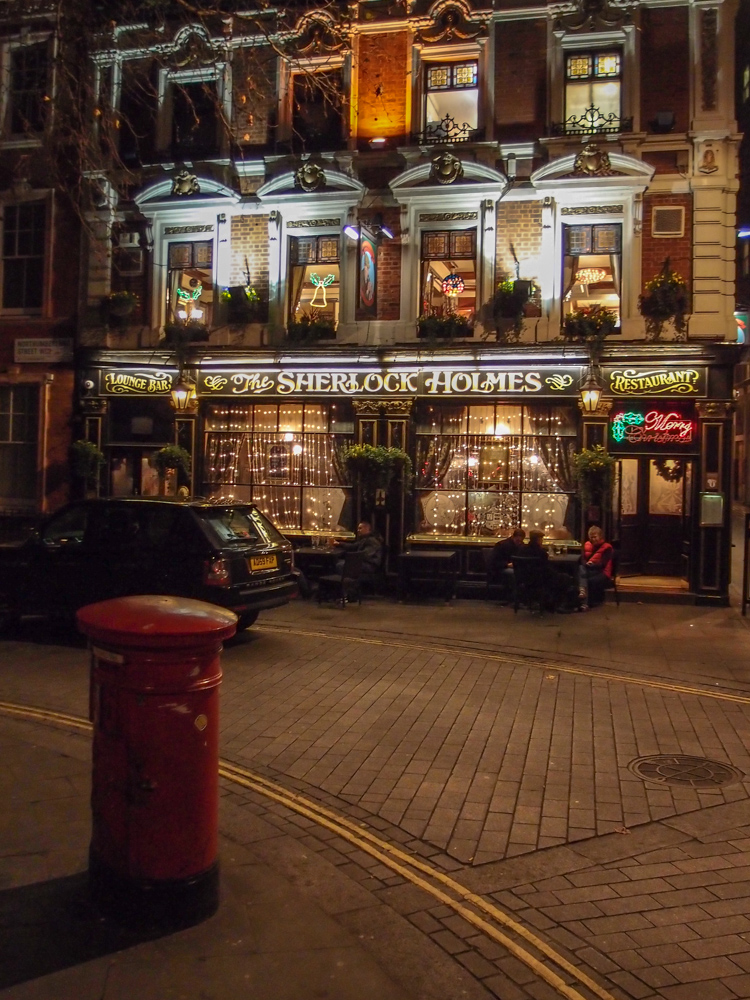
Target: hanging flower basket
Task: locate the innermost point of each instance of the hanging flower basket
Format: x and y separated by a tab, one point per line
121	304
376	468
594	473
85	462
665	299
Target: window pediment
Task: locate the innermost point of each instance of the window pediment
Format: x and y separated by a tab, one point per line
593	165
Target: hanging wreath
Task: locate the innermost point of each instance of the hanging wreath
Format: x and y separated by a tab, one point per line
453	285
673	474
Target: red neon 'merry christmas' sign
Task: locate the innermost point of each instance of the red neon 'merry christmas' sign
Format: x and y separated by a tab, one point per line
652	427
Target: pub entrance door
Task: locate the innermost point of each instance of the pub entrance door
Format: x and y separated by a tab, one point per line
652	505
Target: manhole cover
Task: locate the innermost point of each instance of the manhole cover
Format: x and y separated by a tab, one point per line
691	772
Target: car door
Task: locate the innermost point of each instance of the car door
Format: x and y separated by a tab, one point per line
60	576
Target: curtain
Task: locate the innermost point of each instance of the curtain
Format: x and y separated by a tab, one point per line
614	260
557	455
434	457
570	269
298	280
222	457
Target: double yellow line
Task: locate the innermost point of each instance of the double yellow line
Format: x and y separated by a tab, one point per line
494	923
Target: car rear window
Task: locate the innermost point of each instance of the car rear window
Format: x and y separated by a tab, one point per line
240	524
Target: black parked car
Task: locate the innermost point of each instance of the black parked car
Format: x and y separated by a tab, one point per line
226	554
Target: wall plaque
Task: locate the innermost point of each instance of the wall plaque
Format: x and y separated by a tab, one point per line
175	230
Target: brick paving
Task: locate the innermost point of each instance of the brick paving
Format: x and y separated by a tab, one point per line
459	734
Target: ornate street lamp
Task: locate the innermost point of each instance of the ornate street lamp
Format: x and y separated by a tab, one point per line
184	396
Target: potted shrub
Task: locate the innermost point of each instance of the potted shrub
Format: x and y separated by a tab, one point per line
310	327
594	473
169	457
86	460
665	298
178	335
443	326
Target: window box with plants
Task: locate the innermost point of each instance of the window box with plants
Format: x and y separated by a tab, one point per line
178	335
589	325
443	326
309	327
665	300
512	302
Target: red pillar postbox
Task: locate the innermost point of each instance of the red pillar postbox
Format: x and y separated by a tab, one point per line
154	704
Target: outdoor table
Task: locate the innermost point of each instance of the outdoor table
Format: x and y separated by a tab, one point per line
315	562
567	562
436	568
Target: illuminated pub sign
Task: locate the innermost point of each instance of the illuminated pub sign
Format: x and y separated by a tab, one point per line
652	426
394	381
662	380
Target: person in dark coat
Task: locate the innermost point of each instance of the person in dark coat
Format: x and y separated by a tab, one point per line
369	544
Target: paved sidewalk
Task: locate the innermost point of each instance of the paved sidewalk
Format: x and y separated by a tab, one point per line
287	927
496	746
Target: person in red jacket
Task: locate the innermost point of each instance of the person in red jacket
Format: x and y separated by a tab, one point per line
596	568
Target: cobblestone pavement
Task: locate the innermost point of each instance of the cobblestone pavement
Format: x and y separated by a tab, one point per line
497	746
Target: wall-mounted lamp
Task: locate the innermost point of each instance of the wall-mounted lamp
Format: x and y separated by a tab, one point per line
377	142
591	392
184	396
351	231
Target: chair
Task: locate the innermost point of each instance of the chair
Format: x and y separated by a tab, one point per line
345	585
497	580
531	584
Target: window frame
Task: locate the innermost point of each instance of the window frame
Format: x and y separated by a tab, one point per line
314	64
425	57
31	138
42	308
623	41
218	73
36	410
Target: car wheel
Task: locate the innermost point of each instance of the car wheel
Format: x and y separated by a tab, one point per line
246	620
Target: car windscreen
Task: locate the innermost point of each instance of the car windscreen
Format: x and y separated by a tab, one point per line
240	524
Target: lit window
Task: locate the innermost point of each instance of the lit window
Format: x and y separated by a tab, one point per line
746	84
451	101
190	284
448	274
592	267
27	92
23	256
314	280
593	92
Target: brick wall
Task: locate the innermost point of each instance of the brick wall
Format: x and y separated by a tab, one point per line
254	76
679	251
389	269
665	65
250	240
382	85
519	223
520	80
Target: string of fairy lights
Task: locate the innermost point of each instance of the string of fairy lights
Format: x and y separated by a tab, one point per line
480	469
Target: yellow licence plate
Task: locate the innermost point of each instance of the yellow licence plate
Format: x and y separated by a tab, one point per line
263	562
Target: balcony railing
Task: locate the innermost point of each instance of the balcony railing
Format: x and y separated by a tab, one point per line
448	130
592	122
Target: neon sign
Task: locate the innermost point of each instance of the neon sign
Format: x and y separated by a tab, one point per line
320	285
652	427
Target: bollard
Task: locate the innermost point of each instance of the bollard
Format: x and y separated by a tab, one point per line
154	705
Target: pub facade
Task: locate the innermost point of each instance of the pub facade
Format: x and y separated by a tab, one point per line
388	236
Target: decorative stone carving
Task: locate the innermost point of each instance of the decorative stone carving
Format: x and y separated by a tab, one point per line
446	168
317	34
452	25
447	216
593	210
398	407
713	409
592	162
592	15
367	406
185	183
309	177
194	50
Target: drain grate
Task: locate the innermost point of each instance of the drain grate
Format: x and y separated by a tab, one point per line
688	772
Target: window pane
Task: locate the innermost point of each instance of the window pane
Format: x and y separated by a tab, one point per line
607	64
195	117
438	77
579	67
317	110
465	75
23	255
460	105
606	97
28	82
